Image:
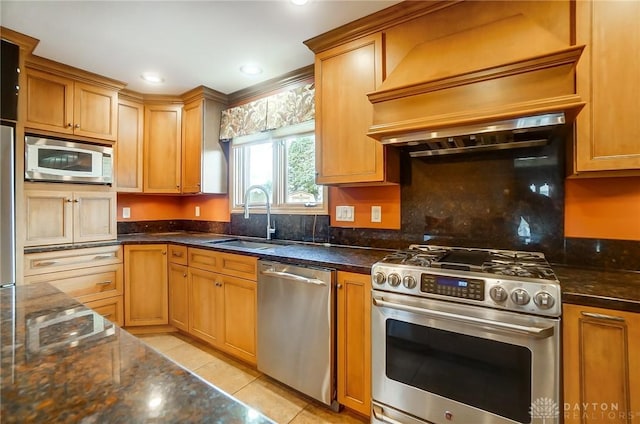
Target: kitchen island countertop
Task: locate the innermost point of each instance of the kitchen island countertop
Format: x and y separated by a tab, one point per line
63	363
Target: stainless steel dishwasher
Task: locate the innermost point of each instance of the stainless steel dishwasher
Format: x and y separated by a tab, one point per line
296	328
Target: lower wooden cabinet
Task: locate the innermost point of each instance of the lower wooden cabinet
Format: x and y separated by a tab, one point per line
354	341
601	365
146	294
93	276
223	301
178	296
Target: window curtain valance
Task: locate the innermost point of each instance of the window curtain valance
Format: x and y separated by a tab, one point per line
280	110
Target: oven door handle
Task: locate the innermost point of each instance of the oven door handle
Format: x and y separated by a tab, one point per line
532	331
378	413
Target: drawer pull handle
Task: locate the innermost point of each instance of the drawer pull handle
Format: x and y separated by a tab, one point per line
46	263
602	316
104	283
176	254
103	257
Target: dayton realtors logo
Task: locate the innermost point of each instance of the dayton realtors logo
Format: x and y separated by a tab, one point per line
544	409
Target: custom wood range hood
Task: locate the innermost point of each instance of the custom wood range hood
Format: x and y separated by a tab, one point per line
500	85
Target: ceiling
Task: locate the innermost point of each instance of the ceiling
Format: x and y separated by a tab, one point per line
189	43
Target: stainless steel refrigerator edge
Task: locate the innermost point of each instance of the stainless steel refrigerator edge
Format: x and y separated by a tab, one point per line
7	207
296	338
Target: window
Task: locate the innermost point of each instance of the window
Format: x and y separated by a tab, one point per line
283	162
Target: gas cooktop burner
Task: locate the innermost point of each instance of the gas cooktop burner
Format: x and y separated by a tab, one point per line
499	262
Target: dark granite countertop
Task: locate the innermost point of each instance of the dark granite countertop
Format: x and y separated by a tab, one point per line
63	363
613	289
591	287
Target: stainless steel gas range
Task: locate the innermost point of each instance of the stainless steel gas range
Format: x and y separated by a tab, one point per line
465	336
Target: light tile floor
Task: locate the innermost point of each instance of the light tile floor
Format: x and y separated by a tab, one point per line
276	401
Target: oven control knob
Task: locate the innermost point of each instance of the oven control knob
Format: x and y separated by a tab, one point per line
379	278
394	280
544	300
409	282
498	294
520	297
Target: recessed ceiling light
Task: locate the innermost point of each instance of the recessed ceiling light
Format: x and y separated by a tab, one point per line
299	2
251	69
152	77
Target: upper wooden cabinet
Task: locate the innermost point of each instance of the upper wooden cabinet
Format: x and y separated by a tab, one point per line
60	217
601	364
344	153
128	149
608	128
62	104
162	148
204	164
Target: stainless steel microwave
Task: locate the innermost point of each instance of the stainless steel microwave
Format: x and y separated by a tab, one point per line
67	161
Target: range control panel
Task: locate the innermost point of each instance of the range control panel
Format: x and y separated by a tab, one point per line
466	288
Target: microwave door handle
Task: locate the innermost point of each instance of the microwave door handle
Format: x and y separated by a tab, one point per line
532	331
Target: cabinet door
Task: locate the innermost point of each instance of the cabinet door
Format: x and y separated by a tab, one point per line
94	216
49	102
178	297
601	364
240	300
344	75
162	161
110	308
192	134
354	341
146	285
205	305
608	128
49	217
95	111
128	157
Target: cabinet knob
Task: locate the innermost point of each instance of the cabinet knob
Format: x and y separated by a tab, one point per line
164	253
339	286
77	125
184	275
68	200
76	201
69	125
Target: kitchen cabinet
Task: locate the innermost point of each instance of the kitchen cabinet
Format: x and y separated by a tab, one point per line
344	74
223	301
61	216
93	276
72	107
178	288
146	288
608	129
601	364
204	164
354	341
162	148
128	149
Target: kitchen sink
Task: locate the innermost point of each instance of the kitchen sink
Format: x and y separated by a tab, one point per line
248	245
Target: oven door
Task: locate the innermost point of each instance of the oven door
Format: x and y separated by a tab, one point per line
445	362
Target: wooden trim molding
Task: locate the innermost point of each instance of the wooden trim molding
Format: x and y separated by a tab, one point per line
46	65
386	18
25	42
287	81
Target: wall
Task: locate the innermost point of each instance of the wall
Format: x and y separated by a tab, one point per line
153	207
607	208
362	198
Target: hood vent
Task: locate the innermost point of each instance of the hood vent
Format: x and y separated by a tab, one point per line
502	85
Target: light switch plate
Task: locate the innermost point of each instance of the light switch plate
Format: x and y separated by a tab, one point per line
126	213
376	213
345	213
197	210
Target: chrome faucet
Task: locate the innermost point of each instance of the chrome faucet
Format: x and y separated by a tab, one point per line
246	208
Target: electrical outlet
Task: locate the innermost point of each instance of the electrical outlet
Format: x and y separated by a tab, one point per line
126	213
376	213
197	210
345	213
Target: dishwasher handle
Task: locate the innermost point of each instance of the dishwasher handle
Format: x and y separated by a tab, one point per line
293	277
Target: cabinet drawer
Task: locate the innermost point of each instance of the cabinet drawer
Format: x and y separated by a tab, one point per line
238	266
203	259
178	254
111	308
42	263
85	284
